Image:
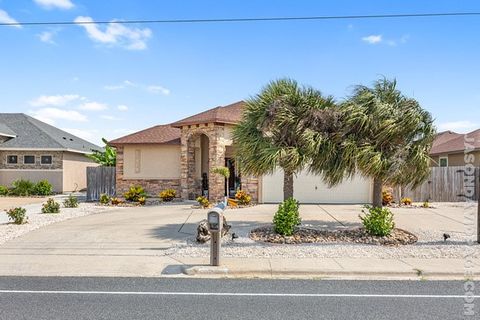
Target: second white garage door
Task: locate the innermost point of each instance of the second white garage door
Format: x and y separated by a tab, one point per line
311	189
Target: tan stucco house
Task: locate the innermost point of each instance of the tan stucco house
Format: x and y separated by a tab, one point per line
31	149
180	155
448	148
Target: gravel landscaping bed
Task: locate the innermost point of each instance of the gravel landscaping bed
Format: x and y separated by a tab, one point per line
310	235
430	245
9	231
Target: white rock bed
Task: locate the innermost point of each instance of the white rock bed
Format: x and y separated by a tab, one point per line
36	219
429	246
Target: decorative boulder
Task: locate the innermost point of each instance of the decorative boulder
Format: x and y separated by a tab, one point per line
203	234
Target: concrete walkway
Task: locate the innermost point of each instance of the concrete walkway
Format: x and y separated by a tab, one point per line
140	242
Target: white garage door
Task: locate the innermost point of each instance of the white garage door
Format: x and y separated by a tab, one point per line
311	189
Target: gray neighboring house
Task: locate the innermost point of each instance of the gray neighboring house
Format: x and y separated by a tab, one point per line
31	149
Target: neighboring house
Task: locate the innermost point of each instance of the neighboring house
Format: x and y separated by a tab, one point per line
180	155
448	148
31	149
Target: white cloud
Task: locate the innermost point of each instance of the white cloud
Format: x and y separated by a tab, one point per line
55	100
108	117
122	107
47	36
93	106
123	85
116	34
50	115
158	89
51	4
5	18
462	126
373	39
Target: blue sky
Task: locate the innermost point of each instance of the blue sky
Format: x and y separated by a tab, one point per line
110	80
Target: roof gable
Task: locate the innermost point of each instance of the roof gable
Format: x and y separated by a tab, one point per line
161	134
229	114
31	133
451	142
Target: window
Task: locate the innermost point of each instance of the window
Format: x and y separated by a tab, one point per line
443	161
29	159
12	159
46	160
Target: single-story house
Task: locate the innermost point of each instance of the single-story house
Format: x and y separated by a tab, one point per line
448	148
31	149
180	155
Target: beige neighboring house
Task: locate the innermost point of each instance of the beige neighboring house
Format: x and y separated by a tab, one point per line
181	155
31	149
448	148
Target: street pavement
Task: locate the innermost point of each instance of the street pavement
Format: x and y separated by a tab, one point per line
161	298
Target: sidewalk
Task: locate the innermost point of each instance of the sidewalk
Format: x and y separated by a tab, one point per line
345	268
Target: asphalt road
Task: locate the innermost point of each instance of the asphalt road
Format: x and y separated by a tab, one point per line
169	298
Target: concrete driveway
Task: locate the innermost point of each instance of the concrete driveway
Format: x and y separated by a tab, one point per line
135	241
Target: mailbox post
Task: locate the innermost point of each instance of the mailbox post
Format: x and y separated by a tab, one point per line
215	224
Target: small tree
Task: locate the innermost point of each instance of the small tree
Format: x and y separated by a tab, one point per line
106	158
224	172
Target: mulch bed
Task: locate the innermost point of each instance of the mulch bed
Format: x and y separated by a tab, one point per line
310	235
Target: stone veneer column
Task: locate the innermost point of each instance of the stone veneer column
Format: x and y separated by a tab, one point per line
184	164
216	159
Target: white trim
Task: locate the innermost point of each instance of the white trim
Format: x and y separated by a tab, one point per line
23	170
46	155
12	163
242	294
7	135
45	149
443	157
29	155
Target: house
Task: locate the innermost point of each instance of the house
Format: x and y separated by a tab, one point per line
31	149
448	148
180	155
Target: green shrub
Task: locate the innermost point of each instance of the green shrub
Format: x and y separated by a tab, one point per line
287	217
18	215
243	197
378	221
3	190
115	201
426	204
168	194
43	188
104	198
406	201
135	193
142	200
51	206
71	202
203	201
22	188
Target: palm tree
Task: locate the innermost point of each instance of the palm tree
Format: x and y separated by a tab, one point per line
272	132
387	136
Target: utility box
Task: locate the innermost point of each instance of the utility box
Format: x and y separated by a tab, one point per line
215	224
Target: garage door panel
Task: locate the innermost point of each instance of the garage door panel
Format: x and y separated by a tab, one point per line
310	188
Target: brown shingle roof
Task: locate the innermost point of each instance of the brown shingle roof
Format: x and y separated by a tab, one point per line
451	142
230	114
162	134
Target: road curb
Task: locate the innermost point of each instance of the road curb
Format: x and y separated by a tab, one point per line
210	271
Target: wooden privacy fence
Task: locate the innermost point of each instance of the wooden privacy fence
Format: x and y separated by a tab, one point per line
445	184
100	180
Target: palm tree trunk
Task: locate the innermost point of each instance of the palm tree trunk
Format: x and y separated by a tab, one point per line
287	185
377	193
